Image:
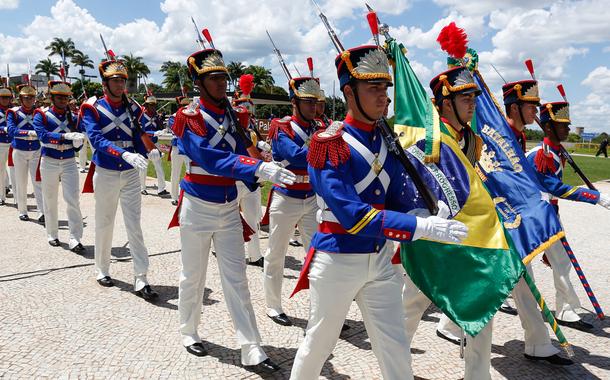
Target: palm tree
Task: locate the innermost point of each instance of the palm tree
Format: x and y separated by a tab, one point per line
135	67
236	69
172	73
48	68
82	60
263	80
61	47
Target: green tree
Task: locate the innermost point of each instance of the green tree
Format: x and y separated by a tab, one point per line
81	60
135	67
236	69
263	80
173	73
48	68
59	46
91	89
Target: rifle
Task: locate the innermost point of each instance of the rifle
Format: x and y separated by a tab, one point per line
387	133
279	57
146	140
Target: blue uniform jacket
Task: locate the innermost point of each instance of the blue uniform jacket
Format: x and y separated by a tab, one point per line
50	125
19	122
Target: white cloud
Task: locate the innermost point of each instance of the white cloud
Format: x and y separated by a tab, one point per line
592	112
9	4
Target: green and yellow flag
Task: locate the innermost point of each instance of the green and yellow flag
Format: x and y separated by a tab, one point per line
467	281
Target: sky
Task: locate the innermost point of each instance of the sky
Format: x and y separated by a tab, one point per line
569	41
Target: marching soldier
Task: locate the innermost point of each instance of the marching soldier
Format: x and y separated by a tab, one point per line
177	159
55	128
294	204
5	142
208	211
118	157
548	161
150	124
356	180
26	151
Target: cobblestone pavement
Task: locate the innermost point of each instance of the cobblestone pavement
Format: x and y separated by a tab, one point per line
56	322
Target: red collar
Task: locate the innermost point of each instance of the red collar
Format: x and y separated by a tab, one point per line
349	119
211	107
149	114
4	108
27	111
58	111
112	103
300	122
549	143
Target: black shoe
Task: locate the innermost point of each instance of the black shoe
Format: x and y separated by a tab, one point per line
54	243
106	282
163	193
147	293
578	325
174	203
41	219
144	192
2	202
196	349
281	319
553	359
345	327
454	341
508	310
266	366
78	248
258	263
295	243
24	218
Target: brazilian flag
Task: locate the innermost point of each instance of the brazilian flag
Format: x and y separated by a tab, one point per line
467	281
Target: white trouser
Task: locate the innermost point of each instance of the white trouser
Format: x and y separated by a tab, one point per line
160	176
477	354
334	281
566	300
284	213
82	155
25	160
177	161
3	172
250	205
111	186
200	223
52	171
536	334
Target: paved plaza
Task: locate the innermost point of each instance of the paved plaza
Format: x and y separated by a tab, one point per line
57	322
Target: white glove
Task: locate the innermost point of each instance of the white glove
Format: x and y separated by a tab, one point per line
604	201
73	136
439	228
32	134
136	160
77	143
264	146
270	171
158	133
154	155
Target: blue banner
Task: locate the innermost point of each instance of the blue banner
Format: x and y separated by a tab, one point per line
511	181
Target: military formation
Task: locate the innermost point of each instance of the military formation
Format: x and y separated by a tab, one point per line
338	182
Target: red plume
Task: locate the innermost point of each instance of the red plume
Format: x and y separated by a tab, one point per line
372	19
453	40
207	35
562	92
246	84
530	67
310	64
111	55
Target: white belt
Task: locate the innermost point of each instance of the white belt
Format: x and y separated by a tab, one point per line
61	147
30	138
199	171
123	144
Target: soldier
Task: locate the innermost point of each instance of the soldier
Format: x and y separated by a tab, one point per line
294	204
321	118
359	185
118	157
549	163
26	151
5	142
208	209
55	128
177	159
150	124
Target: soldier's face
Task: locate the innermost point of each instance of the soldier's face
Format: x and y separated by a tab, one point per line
464	104
562	129
320	107
216	85
529	111
5	101
60	101
116	86
373	98
27	101
307	107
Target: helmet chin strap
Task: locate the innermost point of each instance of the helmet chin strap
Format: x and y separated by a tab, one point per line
519	104
109	90
455	112
359	106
